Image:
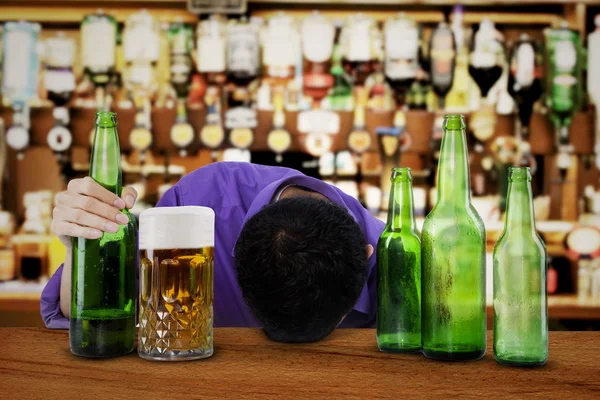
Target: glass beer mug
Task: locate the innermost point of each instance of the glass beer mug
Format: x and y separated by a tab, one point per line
176	283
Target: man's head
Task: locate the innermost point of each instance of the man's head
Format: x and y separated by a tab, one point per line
301	264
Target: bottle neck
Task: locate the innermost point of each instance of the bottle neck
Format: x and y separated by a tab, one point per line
453	170
105	162
519	208
401	211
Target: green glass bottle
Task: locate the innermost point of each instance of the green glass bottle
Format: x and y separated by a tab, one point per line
563	55
399	271
103	276
453	251
520	294
340	94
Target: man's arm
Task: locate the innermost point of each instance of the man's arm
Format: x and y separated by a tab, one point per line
85	210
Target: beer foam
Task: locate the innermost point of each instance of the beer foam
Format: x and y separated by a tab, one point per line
187	227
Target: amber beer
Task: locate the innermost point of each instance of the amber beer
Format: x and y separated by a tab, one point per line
176	283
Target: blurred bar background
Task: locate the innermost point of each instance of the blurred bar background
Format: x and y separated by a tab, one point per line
341	90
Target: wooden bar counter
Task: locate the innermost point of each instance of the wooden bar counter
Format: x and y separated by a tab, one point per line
37	364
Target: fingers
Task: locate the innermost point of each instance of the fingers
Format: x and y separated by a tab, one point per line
84	218
74	202
88	187
129	194
87	209
62	228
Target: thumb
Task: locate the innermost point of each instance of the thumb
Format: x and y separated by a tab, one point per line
129	195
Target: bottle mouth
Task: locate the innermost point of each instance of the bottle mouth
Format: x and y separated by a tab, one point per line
401	174
454	122
519	174
106	119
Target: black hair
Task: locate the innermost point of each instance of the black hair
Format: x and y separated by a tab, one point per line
301	264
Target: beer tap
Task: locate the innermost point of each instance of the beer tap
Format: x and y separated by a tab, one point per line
279	139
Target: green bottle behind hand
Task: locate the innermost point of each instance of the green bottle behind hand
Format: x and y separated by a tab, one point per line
103	278
453	267
520	295
399	271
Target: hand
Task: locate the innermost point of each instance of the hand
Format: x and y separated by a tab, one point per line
86	209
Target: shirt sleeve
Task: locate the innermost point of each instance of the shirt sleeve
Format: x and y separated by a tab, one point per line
50	303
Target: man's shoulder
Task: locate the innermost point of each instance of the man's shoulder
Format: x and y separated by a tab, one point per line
228	184
237	171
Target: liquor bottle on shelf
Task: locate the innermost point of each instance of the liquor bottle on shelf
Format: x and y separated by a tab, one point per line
141	45
563	58
98	56
593	80
442	61
279	139
59	82
525	87
280	49
401	66
211	48
20	76
442	54
181	43
212	134
359	52
340	96
242	53
402	55
485	67
318	35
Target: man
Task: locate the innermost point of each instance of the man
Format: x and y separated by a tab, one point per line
293	254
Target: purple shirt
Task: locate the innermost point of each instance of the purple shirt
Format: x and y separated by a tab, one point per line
237	191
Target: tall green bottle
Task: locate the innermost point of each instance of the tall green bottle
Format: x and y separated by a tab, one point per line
453	267
399	271
103	277
520	295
